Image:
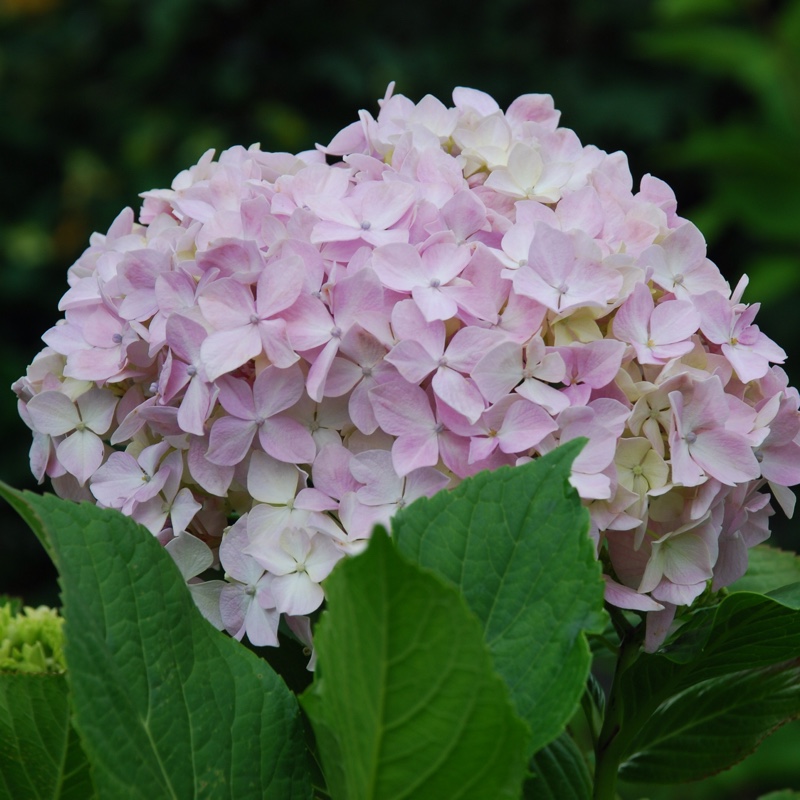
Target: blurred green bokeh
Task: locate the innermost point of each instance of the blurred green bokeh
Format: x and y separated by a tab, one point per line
103	99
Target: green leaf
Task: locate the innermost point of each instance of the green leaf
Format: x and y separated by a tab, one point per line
721	50
769	568
166	706
744	631
782	794
559	772
713	725
405	702
40	757
727	680
514	542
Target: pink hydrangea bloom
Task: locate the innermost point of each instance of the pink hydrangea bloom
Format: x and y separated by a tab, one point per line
306	343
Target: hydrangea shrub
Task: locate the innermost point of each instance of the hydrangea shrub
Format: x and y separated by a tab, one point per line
286	349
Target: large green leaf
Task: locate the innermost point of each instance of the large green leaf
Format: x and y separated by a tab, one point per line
769	568
728	679
166	706
405	702
713	725
514	542
559	772
745	631
40	756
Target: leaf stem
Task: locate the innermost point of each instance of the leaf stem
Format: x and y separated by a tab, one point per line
607	751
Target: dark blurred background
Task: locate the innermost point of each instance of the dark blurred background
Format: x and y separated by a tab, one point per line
103	99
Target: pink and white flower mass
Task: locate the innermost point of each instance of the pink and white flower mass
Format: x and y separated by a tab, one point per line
302	344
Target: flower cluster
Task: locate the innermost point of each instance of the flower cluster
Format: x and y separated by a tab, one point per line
31	639
302	344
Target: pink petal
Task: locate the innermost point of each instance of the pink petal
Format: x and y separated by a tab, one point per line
287	440
279	286
97	364
749	366
434	303
119	478
190	555
673	321
230	441
270	480
459	393
227	304
183	509
402	408
97	409
53	413
384	203
374	469
81	453
414	450
236	397
499	371
412	360
781	464
184	337
238	565
323	557
625	597
194	408
725	456
275	390
261	624
274	335
631	322
225	351
213	478
296	593
524	426
318	374
399	266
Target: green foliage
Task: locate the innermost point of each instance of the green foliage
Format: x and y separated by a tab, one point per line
449	658
40	755
165	705
514	542
769	568
559	772
707	699
405	703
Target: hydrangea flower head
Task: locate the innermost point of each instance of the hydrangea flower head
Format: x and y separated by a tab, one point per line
302	344
31	639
